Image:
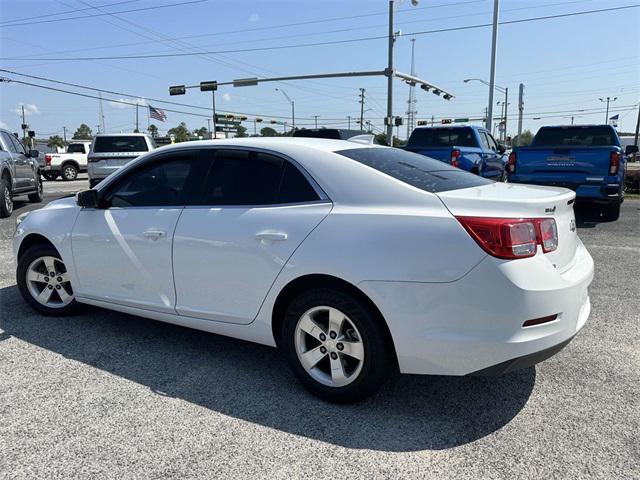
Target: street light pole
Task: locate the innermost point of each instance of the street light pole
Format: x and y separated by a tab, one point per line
389	73
293	109
492	75
608	99
315	117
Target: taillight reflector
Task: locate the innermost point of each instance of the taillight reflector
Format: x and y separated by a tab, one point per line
511	163
614	163
512	238
47	159
455	157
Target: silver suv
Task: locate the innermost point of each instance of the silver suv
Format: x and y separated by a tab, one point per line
19	173
110	151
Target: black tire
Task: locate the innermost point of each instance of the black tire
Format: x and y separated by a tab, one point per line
69	172
50	176
6	198
504	178
26	259
611	212
37	196
379	359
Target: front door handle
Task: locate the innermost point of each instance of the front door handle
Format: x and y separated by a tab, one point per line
154	234
271	236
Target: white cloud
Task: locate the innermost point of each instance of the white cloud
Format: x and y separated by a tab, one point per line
226	97
3	125
29	109
254	17
139	101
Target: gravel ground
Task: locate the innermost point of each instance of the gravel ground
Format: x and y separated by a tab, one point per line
108	395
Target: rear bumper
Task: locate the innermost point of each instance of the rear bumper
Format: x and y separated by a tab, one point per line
476	323
603	190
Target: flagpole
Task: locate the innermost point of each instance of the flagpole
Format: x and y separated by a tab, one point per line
148	119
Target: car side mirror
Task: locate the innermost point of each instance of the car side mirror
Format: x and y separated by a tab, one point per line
34	153
501	149
631	149
87	199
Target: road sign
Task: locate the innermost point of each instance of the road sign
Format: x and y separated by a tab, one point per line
460	120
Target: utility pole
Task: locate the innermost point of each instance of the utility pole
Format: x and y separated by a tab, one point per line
389	73
315	117
361	101
411	110
492	76
432	120
24	126
209	126
506	112
213	108
635	141
607	100
349	121
137	130
521	111
101	114
64	134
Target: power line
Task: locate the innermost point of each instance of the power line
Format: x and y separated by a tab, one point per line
334	42
51	20
64	13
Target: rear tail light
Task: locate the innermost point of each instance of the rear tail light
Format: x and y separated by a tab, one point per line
511	163
614	163
512	238
47	160
455	157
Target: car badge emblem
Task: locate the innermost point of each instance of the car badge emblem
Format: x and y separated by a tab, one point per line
550	211
572	225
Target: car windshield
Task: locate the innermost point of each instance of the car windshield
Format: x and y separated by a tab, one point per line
575	137
120	144
416	170
443	137
75	148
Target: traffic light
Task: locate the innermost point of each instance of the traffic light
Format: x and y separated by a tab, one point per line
422	123
397	121
446	121
208	86
177	90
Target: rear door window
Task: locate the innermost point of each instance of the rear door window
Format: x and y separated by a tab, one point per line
120	144
416	170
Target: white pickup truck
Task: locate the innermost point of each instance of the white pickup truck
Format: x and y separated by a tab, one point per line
69	164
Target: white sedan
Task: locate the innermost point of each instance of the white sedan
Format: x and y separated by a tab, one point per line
356	260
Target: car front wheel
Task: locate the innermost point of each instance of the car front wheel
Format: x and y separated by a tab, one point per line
336	345
44	283
6	198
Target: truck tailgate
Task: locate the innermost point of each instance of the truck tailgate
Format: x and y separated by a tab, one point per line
583	161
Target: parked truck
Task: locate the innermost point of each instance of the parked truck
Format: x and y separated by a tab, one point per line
68	164
588	159
470	148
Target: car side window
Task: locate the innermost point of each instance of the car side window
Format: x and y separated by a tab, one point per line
493	145
240	177
295	188
484	140
164	183
8	142
18	146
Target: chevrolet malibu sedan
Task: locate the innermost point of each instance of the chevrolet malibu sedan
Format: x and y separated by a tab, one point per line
355	260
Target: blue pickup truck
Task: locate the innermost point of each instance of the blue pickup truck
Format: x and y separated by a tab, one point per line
470	148
585	158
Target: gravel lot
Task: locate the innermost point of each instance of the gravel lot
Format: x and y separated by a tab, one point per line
108	395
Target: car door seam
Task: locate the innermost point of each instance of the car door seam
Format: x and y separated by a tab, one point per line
173	272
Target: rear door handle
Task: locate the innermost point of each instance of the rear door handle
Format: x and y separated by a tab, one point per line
155	234
271	236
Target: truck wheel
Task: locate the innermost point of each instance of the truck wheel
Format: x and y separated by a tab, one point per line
504	178
6	198
611	212
49	176
69	172
37	196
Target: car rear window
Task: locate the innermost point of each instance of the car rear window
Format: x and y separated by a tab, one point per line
443	137
120	144
416	170
575	137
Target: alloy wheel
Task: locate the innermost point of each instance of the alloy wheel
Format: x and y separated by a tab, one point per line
329	346
48	282
8	200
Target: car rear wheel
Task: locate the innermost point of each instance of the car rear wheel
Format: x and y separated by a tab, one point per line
6	198
611	212
336	345
44	283
49	176
69	172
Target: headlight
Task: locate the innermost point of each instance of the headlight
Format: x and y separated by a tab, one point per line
21	218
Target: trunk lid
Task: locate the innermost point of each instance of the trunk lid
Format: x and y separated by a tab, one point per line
506	200
555	160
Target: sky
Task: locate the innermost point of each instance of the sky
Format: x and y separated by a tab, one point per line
566	64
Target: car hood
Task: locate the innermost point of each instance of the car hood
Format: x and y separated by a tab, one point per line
64	202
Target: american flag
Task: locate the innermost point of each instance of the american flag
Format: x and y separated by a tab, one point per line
157	113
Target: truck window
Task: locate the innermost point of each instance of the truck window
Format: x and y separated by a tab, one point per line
443	137
76	148
416	170
575	137
120	144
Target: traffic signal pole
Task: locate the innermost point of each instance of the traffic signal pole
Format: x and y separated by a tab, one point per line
492	78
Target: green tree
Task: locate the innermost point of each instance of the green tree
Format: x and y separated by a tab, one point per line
181	133
55	141
241	131
201	132
153	130
83	132
525	139
268	132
